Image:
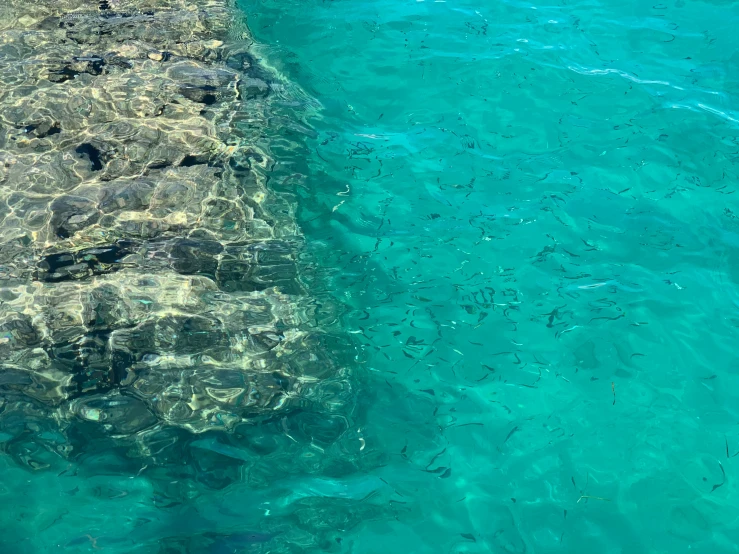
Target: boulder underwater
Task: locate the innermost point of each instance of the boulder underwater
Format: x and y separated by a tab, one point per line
149	277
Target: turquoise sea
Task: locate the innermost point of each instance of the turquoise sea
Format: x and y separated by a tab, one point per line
527	215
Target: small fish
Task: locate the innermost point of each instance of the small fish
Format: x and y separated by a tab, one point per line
435	458
723	473
510	434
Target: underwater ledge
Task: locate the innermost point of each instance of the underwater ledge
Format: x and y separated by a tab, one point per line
149	278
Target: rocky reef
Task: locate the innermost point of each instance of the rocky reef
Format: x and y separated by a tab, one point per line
149	277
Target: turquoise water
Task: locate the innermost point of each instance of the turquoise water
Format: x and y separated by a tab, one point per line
529	209
528	214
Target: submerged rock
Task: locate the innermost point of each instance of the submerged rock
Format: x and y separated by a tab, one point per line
145	281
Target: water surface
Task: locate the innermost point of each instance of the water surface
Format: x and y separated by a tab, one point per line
515	257
529	209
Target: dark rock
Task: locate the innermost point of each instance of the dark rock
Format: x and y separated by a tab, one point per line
93	154
72	213
125	194
252	87
19	332
195	257
118	413
173	335
67	266
88	360
205	94
190	160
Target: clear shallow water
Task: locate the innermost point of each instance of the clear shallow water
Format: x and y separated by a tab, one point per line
529	214
529	210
